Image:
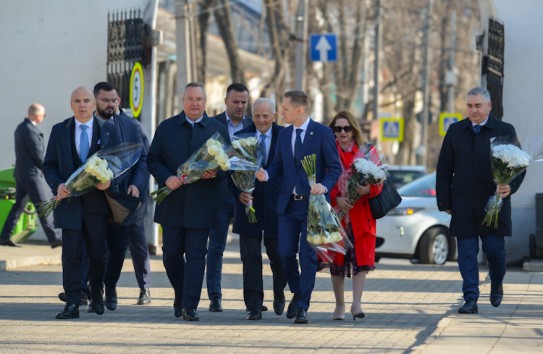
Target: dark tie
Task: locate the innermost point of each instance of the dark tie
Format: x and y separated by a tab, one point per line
298	147
477	128
262	147
83	143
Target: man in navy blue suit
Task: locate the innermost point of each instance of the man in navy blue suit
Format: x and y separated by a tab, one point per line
304	137
190	210
83	219
264	201
237	97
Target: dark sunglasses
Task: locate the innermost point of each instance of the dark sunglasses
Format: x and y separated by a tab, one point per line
347	129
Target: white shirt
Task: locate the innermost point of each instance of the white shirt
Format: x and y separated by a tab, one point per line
196	121
302	135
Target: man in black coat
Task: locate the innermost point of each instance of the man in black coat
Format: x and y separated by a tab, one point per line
83	219
233	118
29	150
264	201
132	187
190	210
464	184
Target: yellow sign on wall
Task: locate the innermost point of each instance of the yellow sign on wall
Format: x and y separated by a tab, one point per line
392	129
136	90
446	119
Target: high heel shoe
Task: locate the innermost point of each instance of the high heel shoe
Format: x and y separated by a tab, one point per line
339	315
358	315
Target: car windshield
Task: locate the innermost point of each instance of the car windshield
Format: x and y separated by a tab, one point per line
422	187
402	176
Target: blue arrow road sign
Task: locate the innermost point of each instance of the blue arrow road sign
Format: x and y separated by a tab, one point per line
323	47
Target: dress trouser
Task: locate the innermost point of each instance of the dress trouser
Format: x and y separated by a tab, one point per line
468	248
33	190
184	253
217	244
119	238
93	238
293	240
251	256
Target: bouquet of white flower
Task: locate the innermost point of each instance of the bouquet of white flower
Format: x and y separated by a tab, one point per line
246	148
324	230
101	167
213	155
507	161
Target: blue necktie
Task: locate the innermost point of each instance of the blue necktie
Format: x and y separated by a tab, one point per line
84	145
298	147
262	147
477	128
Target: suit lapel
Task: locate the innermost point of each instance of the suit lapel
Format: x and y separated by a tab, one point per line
309	136
271	154
68	144
95	145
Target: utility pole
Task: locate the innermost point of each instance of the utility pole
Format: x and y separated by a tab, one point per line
426	84
301	44
186	60
376	50
451	74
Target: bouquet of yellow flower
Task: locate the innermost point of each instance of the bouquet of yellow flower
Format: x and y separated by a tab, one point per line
101	167
324	230
246	148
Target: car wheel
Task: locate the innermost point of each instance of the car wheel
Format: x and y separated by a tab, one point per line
434	246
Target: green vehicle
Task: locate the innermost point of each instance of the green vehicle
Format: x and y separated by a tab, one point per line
26	225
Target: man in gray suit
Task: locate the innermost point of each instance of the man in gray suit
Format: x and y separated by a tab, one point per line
29	151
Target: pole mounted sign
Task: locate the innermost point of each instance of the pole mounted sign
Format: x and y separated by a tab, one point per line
446	119
391	129
136	90
323	47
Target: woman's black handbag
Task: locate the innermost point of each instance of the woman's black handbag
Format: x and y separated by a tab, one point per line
388	199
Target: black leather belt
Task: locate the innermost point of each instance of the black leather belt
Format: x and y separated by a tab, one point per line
297	197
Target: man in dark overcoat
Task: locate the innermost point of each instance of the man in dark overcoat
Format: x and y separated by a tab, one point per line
264	201
464	184
190	210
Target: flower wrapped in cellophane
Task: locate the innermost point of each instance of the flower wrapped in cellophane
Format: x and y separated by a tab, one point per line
324	230
101	167
213	155
369	167
246	148
508	160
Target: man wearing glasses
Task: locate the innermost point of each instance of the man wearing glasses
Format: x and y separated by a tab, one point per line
189	211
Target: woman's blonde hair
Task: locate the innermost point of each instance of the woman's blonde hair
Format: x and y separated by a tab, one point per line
358	136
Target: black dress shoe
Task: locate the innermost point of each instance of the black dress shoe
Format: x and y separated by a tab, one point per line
97	307
177	307
82	302
292	306
145	297
301	316
263	308
9	243
56	243
279	306
70	311
469	307
254	315
496	294
190	315
215	305
111	299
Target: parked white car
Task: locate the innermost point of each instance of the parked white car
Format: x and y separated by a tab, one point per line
416	229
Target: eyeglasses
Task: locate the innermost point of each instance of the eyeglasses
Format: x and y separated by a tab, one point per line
347	129
198	100
107	100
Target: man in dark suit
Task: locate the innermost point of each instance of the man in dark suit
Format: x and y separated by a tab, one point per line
304	137
464	184
83	219
264	200
237	97
132	186
188	212
29	149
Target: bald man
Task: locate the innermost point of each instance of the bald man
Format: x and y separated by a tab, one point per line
29	149
83	219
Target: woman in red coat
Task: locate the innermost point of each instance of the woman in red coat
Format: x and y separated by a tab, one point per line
357	221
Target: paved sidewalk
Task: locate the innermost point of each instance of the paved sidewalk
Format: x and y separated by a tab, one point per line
409	308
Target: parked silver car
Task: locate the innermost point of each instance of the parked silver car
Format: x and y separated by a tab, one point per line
416	229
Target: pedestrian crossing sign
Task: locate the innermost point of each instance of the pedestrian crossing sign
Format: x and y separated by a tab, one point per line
391	129
446	119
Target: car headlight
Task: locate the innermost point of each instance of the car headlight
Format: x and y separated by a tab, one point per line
404	211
